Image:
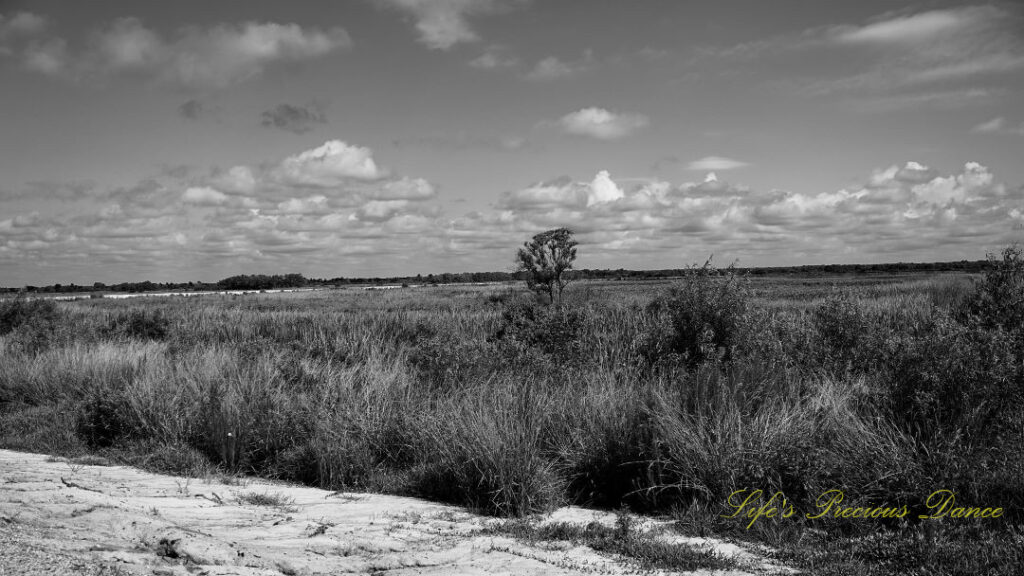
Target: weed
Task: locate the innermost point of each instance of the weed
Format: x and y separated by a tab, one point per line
273	499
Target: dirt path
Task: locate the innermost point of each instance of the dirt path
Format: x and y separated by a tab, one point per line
60	518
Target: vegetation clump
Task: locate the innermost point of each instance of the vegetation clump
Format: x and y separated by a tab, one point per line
29	324
699	317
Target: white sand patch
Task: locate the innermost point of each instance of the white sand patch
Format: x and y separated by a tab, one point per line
153	524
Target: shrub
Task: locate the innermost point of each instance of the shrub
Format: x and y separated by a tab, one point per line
144	324
842	326
955	380
957	391
999	298
554	330
103	419
32	324
700	317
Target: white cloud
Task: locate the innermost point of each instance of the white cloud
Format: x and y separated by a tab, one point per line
444	23
939	45
908	210
204	196
920	27
602	124
899	212
329	165
715	163
603	189
407	189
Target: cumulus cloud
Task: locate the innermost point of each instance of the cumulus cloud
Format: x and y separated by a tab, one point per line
330	209
444	23
903	211
602	124
330	165
294	119
322	205
214	56
715	163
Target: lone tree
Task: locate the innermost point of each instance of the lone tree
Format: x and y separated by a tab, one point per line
545	259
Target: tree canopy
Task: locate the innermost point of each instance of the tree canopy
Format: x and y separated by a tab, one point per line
545	259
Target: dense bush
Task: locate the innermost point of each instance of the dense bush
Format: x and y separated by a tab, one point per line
103	420
144	324
999	298
29	324
700	317
842	326
554	330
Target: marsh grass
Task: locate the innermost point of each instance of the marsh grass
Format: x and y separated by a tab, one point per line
886	387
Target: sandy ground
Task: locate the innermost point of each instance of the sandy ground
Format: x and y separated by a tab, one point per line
61	518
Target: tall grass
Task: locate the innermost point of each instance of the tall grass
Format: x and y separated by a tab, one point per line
479	397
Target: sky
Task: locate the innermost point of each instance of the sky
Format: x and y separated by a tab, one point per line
189	140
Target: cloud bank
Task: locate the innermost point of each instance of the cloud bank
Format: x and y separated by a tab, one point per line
335	209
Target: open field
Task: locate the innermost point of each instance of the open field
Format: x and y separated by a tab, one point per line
885	387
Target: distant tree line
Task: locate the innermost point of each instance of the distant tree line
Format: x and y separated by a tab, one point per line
262	282
265	282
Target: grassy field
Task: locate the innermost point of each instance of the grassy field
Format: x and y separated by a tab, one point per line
661	397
